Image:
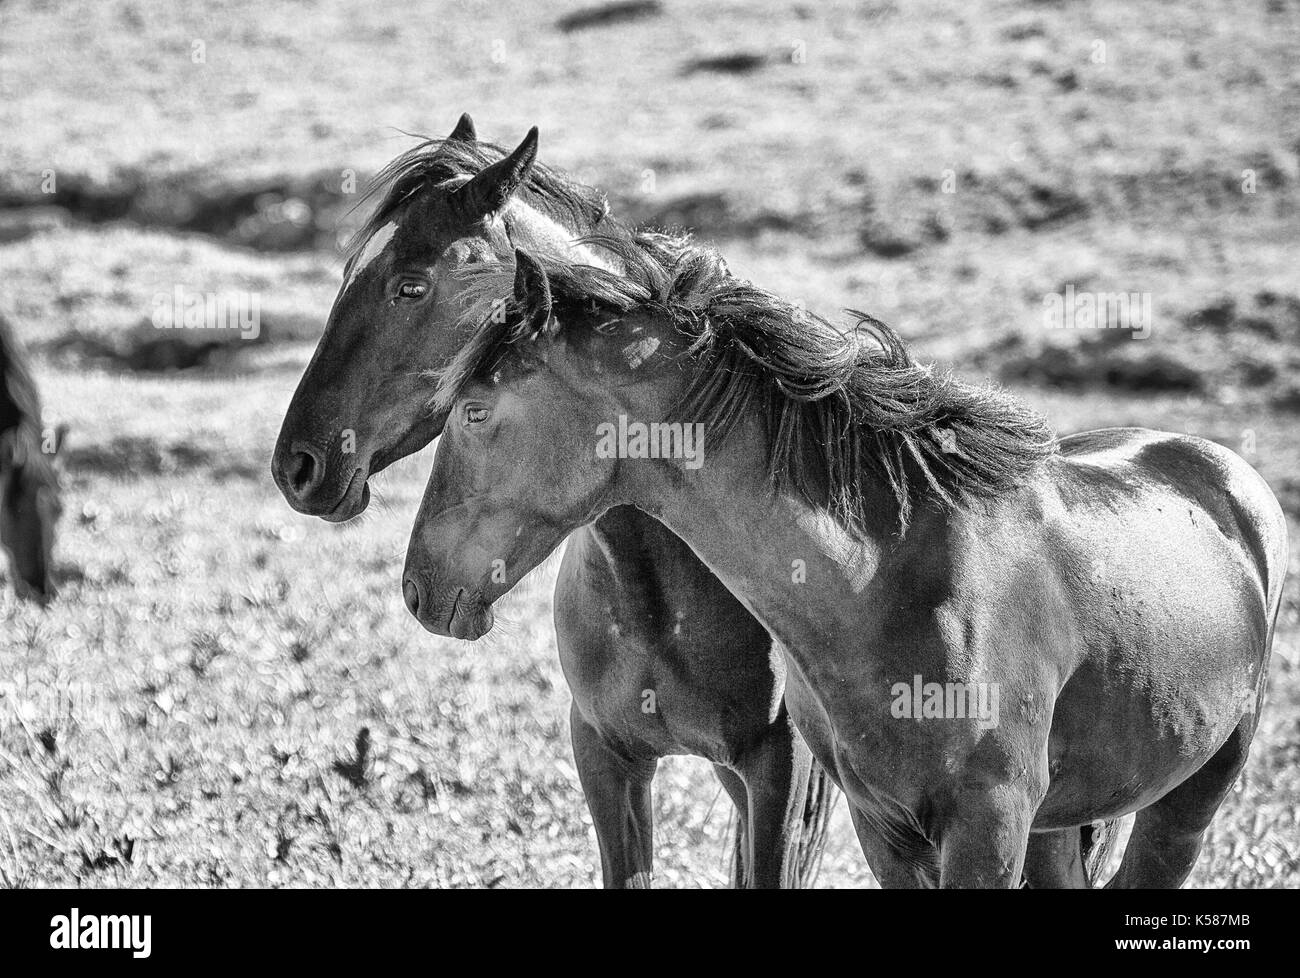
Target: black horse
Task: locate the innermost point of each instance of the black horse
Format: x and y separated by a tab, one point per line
29	482
661	659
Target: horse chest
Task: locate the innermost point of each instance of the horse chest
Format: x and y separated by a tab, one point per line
661	697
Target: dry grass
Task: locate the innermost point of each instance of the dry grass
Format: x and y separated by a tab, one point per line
197	700
229	694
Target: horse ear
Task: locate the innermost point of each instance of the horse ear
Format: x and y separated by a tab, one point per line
492	187
532	293
464	131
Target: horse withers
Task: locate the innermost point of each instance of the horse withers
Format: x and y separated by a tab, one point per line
992	639
29	482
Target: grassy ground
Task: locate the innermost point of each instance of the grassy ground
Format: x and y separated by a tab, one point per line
229	694
198	701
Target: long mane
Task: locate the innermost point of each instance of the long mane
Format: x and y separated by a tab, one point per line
843	409
435	161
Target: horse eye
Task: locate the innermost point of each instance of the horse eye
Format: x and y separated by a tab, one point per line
476	415
412	290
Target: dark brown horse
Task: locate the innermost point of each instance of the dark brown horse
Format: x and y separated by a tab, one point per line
990	638
661	659
29	482
658	655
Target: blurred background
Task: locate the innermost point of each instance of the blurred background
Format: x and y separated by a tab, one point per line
1093	203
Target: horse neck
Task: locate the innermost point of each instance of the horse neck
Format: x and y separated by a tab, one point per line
800	571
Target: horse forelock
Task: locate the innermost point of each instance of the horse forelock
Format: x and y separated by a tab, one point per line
443	164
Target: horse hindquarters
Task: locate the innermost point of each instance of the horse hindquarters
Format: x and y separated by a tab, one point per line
1167	834
1229	511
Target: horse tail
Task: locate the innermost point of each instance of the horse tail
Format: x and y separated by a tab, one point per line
819	804
812	823
736	829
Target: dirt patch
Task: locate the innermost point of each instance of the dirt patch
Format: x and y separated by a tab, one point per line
1228	346
156	355
274	214
1267	314
137	457
712	214
1099	361
606	14
892	231
1015	199
732	63
146	349
22	223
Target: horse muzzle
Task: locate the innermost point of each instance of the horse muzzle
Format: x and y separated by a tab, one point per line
301	472
450	612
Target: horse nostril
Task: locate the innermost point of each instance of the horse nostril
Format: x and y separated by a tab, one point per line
411	594
304	472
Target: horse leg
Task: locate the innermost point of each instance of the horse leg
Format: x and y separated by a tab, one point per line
983	845
890	869
1100	840
1167	834
1055	860
742	852
775	771
618	795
